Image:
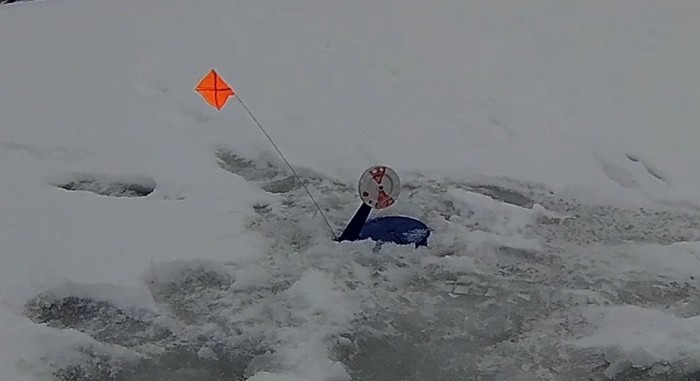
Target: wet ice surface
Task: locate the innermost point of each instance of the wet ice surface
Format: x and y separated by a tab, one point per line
518	283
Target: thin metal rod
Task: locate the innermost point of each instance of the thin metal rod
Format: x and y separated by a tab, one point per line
288	164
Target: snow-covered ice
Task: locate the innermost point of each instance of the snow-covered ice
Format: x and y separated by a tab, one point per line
550	145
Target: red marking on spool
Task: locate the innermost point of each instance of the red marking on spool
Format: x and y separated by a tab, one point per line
384	200
378	174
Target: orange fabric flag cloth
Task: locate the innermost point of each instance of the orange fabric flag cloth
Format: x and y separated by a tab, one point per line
215	90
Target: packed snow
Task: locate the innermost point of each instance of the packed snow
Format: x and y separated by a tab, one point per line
550	146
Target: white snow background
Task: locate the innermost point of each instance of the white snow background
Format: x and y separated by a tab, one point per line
551	145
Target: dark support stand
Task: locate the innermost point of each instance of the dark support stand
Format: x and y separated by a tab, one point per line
352	231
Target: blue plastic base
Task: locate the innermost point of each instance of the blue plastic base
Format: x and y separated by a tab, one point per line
396	229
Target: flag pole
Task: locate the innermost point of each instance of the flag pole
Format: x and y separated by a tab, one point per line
210	88
269	138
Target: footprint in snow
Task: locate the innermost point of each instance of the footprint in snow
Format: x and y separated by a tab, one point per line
274	178
107	185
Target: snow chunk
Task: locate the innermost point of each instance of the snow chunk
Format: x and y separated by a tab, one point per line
206	353
317	298
504	219
643	337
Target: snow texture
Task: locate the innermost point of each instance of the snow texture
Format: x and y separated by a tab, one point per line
549	145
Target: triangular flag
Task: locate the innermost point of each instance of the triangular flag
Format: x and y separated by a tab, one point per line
215	90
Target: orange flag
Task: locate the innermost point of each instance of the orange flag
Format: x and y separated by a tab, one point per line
215	90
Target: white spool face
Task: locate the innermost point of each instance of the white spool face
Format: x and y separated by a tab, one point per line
379	187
